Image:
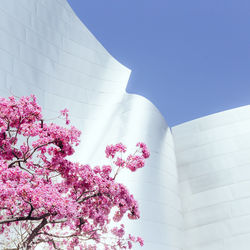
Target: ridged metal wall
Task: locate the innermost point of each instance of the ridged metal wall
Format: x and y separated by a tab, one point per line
47	51
194	192
213	157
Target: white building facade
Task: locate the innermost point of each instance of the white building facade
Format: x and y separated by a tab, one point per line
194	193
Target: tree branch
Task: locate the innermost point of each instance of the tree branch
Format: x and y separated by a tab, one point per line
34	233
24	218
88	197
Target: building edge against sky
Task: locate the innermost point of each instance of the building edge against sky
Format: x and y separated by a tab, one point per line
46	50
201	204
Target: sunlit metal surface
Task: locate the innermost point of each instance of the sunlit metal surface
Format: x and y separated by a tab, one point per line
47	51
213	157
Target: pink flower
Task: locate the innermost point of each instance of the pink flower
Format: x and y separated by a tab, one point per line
135	162
140	240
65	113
118	231
39	182
113	149
119	162
144	149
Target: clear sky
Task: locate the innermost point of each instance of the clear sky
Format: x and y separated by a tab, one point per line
190	58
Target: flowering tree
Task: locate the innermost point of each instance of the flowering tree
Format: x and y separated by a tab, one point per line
47	199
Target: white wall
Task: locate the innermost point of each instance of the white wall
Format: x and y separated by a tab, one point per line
46	50
213	157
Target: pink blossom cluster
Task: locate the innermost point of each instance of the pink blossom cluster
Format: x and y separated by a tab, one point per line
144	149
111	150
43	192
65	113
133	161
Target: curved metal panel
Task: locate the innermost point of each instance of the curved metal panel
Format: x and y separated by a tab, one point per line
213	156
47	51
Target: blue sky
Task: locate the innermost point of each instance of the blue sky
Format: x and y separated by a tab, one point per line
190	58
